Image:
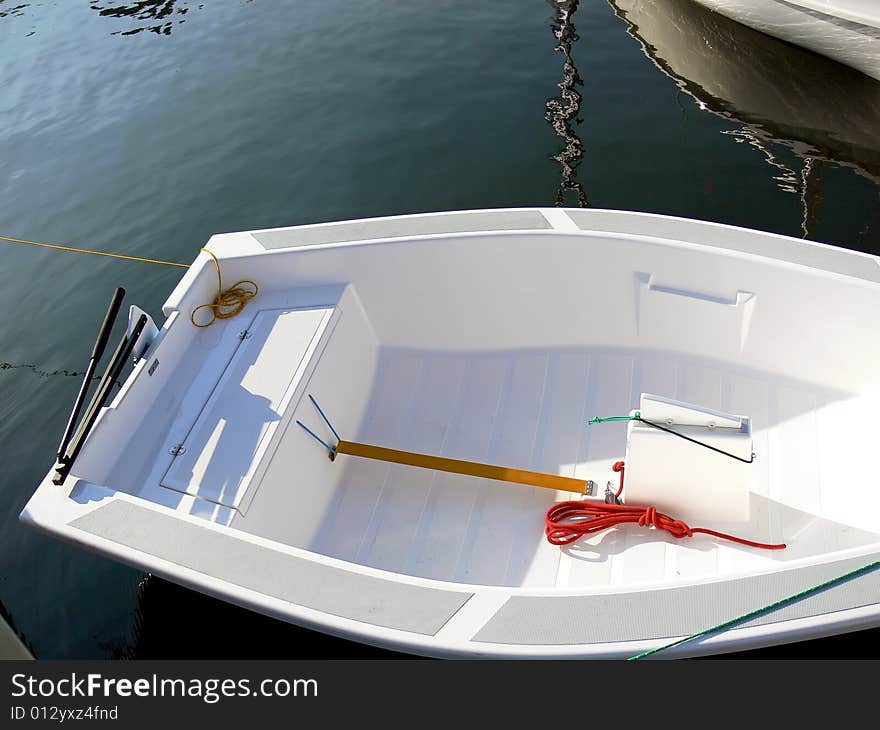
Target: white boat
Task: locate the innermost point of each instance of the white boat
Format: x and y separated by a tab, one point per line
819	109
491	338
846	30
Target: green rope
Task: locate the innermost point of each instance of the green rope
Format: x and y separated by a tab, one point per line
766	609
608	419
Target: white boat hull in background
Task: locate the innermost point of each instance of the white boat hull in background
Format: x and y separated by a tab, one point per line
782	94
846	30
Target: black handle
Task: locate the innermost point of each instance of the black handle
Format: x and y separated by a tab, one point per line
97	353
111	375
107	325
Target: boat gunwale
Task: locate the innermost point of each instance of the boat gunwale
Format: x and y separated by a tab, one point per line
738	638
231	246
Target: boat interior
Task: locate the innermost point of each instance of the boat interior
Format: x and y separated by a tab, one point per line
498	347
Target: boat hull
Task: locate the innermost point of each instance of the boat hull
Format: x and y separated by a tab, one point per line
453	620
846	31
199	472
781	94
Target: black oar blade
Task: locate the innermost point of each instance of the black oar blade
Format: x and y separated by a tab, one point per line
105	387
94	358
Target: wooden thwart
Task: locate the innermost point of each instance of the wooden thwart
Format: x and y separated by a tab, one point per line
458	466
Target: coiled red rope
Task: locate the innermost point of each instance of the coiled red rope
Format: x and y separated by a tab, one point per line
566	522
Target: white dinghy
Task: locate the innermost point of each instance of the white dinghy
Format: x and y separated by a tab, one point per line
846	30
450	364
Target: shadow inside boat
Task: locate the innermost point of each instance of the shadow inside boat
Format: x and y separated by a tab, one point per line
527	409
227	434
818	108
240	426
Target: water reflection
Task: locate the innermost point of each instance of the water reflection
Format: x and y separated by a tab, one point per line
159	15
562	110
6	8
155	16
223	631
41	372
820	110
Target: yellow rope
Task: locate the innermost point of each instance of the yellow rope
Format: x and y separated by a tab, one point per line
227	303
95	253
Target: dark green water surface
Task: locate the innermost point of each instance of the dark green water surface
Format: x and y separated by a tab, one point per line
145	127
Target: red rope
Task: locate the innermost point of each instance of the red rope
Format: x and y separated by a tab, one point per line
567	522
618	466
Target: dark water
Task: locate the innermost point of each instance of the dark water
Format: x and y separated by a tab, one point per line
144	127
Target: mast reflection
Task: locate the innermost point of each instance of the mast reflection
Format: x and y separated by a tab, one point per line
14	11
562	110
157	16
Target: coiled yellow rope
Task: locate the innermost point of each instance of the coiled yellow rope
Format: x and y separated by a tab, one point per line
227	303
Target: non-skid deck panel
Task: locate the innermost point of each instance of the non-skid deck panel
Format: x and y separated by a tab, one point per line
838	260
673	612
528	409
514	220
336	591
